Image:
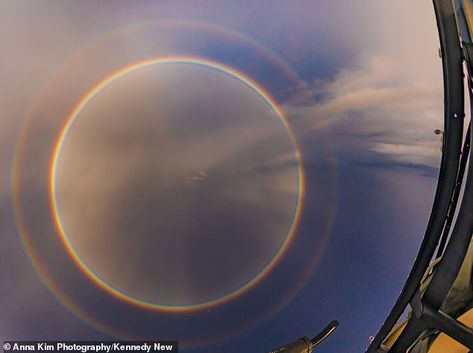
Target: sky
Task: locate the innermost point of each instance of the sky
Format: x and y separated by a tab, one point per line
231	175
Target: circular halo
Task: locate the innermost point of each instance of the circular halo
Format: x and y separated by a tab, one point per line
66	128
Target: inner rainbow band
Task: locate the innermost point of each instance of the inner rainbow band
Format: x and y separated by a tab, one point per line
63	134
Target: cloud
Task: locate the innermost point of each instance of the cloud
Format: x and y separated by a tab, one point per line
387	102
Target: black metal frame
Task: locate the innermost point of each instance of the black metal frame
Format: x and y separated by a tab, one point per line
426	309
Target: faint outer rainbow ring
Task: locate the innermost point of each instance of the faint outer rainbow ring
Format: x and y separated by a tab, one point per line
119	74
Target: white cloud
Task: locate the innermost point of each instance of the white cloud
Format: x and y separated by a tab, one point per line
388	102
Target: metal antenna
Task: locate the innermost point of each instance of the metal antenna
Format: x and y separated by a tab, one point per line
322	335
304	345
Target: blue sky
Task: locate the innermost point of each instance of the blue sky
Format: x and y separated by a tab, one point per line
361	87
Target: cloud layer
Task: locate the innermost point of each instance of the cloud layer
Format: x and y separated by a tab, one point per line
389	100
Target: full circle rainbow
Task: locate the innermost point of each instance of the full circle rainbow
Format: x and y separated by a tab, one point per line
117	75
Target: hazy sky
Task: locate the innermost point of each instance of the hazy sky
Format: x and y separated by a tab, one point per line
179	184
